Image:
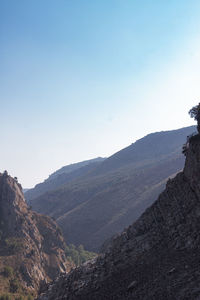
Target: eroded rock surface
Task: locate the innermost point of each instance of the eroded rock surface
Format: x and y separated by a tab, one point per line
30	243
157	257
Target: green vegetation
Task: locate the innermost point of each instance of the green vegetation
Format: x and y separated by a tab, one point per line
8	271
12	288
5	297
78	255
14	285
14	244
11	297
195	113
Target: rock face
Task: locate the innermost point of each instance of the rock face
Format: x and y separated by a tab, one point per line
92	208
30	243
157	257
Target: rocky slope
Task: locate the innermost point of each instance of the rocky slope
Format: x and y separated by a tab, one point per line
31	245
111	196
155	258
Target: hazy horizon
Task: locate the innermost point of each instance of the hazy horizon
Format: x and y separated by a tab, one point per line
75	162
82	79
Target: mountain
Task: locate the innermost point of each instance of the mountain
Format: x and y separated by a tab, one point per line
92	208
73	167
157	257
31	245
62	176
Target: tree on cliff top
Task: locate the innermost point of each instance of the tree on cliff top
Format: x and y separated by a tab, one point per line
195	113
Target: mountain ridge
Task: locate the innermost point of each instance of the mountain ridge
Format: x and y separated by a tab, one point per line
62	176
117	191
157	257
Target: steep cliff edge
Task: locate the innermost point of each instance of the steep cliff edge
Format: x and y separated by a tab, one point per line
31	245
157	257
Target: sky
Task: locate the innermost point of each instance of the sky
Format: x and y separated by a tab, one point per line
85	78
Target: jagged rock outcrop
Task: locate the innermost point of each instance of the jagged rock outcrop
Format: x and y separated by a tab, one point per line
30	243
156	258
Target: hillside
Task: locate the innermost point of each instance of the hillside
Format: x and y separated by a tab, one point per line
63	176
92	208
145	151
73	167
31	245
155	258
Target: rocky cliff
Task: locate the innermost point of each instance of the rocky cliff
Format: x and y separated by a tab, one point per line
31	245
155	258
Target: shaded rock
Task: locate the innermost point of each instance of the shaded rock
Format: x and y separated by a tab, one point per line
157	257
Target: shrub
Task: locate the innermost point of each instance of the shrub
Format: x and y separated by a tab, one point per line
5	297
78	255
14	285
8	271
14	244
59	231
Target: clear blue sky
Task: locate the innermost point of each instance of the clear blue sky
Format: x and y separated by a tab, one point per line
85	78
